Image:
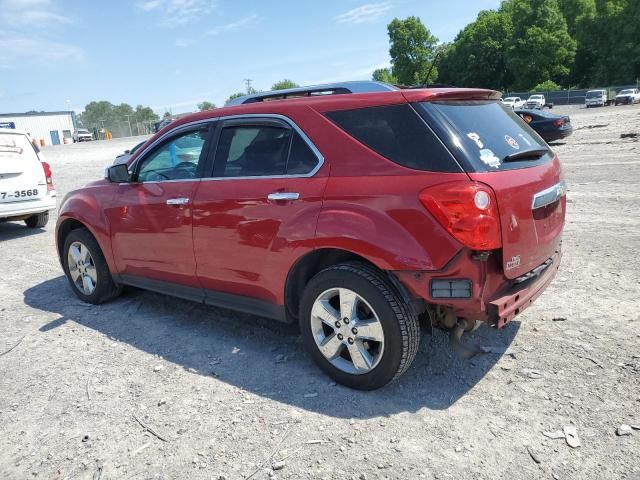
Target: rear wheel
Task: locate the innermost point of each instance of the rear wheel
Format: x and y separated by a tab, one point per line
357	327
86	268
37	221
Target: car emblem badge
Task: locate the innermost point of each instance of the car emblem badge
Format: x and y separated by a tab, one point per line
512	142
513	263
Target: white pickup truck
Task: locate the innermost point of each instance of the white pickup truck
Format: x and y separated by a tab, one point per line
628	96
537	102
514	102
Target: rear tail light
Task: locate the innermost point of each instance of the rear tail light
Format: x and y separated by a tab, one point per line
559	122
468	211
47	175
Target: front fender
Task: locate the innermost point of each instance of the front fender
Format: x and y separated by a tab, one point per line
87	206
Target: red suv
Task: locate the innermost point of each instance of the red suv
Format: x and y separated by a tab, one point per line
353	214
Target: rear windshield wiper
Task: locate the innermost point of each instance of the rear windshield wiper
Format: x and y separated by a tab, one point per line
534	153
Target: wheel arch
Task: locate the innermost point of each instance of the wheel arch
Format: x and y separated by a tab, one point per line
317	260
66	225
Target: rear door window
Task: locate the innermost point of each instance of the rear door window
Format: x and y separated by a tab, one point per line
398	133
262	148
484	134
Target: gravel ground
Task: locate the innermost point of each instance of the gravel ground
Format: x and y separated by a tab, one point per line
153	387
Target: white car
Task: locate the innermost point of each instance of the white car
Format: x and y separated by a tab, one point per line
82	135
514	102
628	95
536	102
26	186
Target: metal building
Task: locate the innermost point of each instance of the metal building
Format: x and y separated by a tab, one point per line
48	128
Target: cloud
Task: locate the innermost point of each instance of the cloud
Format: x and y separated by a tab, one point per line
36	14
365	13
178	12
28	34
243	22
25	49
182	43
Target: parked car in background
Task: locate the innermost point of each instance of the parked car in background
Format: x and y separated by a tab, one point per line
538	102
126	155
628	96
513	102
352	214
82	135
549	126
26	186
596	98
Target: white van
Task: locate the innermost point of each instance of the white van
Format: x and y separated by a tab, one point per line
596	98
26	186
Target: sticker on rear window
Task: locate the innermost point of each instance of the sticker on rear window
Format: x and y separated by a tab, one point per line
9	145
476	138
526	140
512	142
489	158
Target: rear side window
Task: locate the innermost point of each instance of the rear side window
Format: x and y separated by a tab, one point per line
396	132
251	151
262	151
483	134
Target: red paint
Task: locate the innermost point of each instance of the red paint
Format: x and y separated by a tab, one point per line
230	238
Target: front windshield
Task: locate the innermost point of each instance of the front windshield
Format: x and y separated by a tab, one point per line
626	92
594	94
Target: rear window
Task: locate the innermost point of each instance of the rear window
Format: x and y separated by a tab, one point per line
14	146
399	134
482	134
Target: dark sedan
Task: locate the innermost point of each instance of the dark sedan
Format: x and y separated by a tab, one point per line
549	126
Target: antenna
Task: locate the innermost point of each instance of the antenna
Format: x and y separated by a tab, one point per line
433	64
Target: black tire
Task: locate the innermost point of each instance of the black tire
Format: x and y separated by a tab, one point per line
401	327
37	221
105	289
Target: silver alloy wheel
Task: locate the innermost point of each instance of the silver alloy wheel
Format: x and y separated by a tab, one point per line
81	268
347	331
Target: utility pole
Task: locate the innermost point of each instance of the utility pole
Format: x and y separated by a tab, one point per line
248	82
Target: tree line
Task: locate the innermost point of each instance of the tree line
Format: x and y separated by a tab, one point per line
523	45
103	114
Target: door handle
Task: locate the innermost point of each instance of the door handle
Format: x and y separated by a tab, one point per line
178	201
283	196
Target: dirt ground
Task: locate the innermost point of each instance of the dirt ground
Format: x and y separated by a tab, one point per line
153	387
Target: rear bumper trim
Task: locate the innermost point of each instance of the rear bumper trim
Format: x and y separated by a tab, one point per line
504	307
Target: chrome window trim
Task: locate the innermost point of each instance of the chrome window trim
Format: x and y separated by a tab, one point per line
189	126
549	195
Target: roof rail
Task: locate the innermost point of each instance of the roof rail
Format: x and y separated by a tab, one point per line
314	90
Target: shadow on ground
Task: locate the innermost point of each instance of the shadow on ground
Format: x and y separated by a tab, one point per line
202	340
13	230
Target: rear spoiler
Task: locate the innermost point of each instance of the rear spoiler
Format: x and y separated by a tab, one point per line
432	95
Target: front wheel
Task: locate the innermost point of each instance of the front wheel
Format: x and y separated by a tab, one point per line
86	268
357	327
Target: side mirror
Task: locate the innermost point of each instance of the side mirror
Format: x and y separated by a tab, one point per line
118	173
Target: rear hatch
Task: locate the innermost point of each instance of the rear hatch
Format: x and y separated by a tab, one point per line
497	148
22	177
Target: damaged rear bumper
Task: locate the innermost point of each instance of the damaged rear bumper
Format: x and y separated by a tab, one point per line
514	300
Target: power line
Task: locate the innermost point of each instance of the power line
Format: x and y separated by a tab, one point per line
248	81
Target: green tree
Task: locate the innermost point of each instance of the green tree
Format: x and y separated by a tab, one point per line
206	106
384	75
145	115
166	115
547	86
284	84
412	51
234	96
541	48
477	56
97	114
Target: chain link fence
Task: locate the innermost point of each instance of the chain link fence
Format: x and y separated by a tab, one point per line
568	97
